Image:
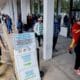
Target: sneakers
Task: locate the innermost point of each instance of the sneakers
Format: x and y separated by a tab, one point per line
77	72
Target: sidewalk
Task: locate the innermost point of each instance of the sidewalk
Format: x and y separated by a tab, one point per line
61	66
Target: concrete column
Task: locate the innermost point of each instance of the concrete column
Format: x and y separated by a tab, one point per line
11	10
48	28
14	7
38	6
59	6
25	10
32	6
7	9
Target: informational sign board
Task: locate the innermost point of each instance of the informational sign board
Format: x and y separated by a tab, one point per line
25	56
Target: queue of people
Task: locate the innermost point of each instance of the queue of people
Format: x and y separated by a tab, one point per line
36	24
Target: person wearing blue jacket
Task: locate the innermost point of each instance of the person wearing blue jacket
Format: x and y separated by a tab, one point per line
19	24
9	24
57	21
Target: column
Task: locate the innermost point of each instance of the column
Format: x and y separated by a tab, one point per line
10	8
70	11
32	6
38	6
48	28
25	10
14	11
59	6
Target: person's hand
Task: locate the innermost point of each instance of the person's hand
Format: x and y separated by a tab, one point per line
70	50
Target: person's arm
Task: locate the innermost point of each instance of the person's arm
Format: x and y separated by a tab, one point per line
78	31
71	46
72	43
35	27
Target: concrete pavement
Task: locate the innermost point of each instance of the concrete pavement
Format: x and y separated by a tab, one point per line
60	67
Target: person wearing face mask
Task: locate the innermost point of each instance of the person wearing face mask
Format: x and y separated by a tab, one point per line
75	44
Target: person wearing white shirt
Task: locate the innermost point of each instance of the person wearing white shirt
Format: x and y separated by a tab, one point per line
38	29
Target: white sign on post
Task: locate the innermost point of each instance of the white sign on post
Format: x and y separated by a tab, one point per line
25	56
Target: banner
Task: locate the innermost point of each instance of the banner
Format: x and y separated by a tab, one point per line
25	56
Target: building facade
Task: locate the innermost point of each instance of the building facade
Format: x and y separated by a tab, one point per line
25	7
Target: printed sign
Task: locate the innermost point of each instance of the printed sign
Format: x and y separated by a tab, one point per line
25	56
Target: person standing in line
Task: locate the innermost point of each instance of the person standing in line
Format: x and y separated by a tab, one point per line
19	25
57	20
9	24
76	45
38	29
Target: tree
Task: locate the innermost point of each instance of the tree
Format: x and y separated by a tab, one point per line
64	5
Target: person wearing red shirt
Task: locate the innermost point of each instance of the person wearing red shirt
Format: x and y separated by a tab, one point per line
75	43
